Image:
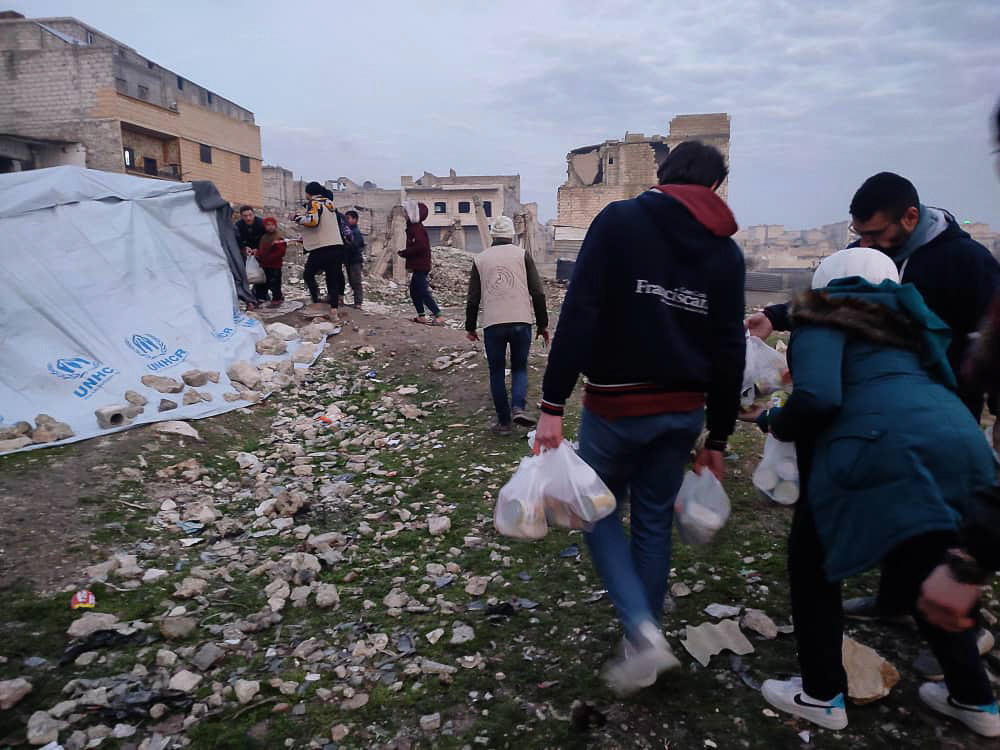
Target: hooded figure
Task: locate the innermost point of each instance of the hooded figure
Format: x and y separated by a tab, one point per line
887	456
418	262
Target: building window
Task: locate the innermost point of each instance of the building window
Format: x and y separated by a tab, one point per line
121	52
611	160
210	97
90	37
245	164
129	156
206	153
143	91
488	208
180	83
440	207
122	85
149	165
150	64
464	207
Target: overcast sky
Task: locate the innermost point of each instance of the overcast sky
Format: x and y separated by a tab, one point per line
821	94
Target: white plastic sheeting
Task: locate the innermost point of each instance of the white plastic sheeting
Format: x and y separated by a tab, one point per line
105	278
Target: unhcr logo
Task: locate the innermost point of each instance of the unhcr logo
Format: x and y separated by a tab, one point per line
146	345
69	368
149	346
92	375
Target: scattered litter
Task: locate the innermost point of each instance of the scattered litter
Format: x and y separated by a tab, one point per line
708	639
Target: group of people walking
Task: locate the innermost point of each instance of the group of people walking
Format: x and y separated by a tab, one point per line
884	412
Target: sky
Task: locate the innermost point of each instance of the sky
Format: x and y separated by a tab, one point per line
821	94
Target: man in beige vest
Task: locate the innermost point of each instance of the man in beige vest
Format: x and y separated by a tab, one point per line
504	279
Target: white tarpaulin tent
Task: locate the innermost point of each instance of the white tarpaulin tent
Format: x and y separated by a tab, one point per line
105	278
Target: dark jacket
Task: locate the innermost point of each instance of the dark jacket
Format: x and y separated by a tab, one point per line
894	452
356	250
656	301
418	246
957	278
249	234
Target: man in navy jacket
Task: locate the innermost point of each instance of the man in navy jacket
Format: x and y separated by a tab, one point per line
653	318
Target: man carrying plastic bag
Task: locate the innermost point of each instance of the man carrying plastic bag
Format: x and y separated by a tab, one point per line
654	318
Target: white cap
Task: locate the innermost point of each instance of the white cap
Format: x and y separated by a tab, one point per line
871	265
502	226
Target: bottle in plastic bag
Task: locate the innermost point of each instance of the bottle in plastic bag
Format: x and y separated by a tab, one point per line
570	482
520	511
701	508
777	474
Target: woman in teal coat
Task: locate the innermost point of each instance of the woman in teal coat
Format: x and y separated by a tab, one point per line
886	454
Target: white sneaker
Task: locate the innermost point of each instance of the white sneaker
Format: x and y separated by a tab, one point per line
788	696
983	720
640	662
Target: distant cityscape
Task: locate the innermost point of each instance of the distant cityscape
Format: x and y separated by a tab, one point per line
773	247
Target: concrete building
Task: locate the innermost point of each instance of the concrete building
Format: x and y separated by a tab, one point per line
452	218
616	170
73	95
771	246
980	231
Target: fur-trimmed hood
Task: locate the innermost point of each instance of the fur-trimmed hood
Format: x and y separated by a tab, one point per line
886	314
869	320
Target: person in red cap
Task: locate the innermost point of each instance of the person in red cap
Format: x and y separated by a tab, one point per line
270	254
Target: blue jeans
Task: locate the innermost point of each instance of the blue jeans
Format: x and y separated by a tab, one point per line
420	293
495	340
642	458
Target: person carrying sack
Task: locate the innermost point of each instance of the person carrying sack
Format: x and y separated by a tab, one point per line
323	239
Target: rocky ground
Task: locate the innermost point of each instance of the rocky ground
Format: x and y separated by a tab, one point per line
321	571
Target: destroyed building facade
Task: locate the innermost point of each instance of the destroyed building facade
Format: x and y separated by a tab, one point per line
615	170
452	212
73	95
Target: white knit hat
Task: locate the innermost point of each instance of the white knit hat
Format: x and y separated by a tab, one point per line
871	265
502	226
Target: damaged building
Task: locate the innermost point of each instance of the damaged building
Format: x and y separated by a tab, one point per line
73	95
619	169
451	203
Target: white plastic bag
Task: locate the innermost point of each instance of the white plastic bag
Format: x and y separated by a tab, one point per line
255	274
701	508
520	510
765	368
777	474
575	497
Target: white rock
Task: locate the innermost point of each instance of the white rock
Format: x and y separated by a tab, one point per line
339	732
759	623
12	691
185	681
42	729
271	345
438	525
190	588
174	427
246	690
722	610
248	462
680	590
477	585
90	623
869	676
430	722
153	574
462	633
244	373
282	331
326	595
435	635
165	658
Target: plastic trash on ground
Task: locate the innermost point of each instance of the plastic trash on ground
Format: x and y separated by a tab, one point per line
701	508
575	497
520	509
777	475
